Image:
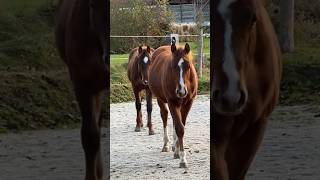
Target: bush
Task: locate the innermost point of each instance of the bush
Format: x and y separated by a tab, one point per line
137	18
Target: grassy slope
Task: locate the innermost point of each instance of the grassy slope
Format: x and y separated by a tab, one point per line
301	76
35	87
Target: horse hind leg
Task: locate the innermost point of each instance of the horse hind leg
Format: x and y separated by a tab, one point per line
139	123
90	107
164	117
149	111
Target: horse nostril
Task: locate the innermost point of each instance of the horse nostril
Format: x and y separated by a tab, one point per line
215	95
177	91
242	99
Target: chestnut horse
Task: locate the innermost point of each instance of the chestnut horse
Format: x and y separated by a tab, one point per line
173	80
246	83
138	66
81	33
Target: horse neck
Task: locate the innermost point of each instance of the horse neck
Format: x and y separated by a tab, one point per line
266	35
80	14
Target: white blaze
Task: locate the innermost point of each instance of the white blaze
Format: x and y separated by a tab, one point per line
229	64
181	81
145	59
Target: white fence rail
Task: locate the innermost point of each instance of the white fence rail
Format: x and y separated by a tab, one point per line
200	54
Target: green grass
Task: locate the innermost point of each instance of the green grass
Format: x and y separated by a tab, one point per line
118	59
35	87
194	45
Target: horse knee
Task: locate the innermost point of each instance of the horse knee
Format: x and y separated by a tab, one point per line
138	105
149	108
179	130
90	139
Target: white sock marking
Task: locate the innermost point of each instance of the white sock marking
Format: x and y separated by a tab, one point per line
183	158
165	137
174	137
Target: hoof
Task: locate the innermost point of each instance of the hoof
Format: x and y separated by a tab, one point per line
183	165
151	132
137	129
176	156
165	149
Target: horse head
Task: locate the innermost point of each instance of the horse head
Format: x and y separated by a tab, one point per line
181	67
144	61
235	49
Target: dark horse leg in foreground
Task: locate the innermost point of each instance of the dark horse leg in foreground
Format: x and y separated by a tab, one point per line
81	32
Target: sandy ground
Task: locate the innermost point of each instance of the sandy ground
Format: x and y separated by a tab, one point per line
136	155
290	150
291	146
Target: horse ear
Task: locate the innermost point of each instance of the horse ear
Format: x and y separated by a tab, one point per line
187	48
140	49
148	49
173	48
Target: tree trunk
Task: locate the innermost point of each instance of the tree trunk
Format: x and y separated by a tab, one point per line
287	25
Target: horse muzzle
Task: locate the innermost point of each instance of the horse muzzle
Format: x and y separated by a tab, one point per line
182	92
229	105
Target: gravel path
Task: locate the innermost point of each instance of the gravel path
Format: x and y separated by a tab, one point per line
136	155
291	146
290	150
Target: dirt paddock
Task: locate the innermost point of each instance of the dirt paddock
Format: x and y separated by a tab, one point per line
290	149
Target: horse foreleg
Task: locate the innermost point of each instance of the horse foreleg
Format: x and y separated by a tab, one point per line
179	128
185	111
90	107
99	159
242	152
139	122
149	110
164	117
220	167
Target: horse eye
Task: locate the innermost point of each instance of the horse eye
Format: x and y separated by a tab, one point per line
186	65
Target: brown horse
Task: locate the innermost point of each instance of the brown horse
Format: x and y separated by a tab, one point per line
246	81
173	80
81	32
138	66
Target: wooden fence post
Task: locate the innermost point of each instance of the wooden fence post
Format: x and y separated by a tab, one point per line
287	25
200	53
